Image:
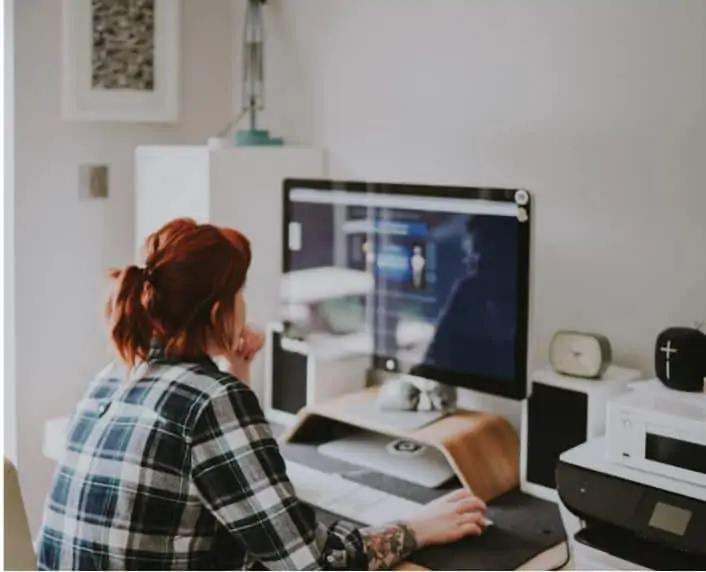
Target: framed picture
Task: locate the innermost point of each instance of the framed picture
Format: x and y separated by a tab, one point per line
121	60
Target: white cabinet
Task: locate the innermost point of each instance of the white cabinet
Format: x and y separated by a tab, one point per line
238	187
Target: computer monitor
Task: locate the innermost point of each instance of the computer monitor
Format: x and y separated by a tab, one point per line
428	280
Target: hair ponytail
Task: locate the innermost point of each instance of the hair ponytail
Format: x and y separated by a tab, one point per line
129	322
190	270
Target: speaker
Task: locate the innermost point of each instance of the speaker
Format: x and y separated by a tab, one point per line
680	359
560	413
298	374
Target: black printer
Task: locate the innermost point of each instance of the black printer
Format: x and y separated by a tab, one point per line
617	517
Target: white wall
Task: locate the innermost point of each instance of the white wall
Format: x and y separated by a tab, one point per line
9	402
65	245
597	106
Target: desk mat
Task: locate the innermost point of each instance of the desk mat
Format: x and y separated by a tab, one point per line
525	526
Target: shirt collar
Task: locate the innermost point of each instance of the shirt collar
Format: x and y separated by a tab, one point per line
156	354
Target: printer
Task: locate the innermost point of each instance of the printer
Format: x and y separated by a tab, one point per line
635	498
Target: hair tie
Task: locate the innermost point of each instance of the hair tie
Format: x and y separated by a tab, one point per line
147	274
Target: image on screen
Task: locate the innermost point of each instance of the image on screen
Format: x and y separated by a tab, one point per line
422	282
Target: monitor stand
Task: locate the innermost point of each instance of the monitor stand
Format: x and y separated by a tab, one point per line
481	449
393	419
403	459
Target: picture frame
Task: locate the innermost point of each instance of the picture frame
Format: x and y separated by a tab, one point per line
121	60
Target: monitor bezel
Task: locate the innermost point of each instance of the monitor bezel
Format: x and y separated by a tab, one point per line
515	389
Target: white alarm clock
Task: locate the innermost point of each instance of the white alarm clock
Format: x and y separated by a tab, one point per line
580	354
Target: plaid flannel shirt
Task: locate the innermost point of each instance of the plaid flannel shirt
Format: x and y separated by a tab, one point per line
177	468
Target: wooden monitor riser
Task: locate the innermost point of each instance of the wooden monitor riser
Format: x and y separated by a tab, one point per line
482	449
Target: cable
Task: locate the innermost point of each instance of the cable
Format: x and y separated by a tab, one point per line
233	122
566	560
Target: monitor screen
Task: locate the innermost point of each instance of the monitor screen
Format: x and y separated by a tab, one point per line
431	281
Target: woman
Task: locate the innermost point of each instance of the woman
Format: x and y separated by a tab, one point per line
170	463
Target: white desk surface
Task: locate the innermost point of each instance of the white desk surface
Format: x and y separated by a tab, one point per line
53	444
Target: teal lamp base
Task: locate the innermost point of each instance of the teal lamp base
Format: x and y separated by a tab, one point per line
256	137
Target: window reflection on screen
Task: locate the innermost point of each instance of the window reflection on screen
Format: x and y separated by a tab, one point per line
423	281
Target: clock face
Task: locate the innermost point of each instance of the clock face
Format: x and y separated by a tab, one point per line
576	354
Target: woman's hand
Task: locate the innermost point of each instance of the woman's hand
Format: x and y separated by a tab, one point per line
250	343
449	519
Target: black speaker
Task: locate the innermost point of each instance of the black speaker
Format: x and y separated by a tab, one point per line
561	413
289	377
297	375
557	421
680	359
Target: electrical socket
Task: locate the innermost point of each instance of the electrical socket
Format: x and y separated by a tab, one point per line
93	181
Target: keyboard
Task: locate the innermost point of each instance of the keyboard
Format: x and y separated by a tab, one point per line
358	503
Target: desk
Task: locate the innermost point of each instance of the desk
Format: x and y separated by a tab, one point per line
53	443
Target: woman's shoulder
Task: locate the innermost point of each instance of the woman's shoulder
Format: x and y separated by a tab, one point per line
176	391
223	396
204	385
186	388
107	381
209	381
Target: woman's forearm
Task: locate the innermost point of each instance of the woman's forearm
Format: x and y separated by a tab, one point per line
386	546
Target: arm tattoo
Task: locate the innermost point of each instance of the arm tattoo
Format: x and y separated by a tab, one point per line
388	545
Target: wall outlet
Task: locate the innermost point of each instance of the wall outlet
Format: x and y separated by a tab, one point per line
93	181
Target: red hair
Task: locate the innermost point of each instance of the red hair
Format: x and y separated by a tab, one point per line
184	297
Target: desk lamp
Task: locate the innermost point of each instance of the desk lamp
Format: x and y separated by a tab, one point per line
254	78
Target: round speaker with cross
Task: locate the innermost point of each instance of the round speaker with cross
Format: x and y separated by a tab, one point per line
680	359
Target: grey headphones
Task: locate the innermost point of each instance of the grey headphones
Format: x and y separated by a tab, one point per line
409	393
